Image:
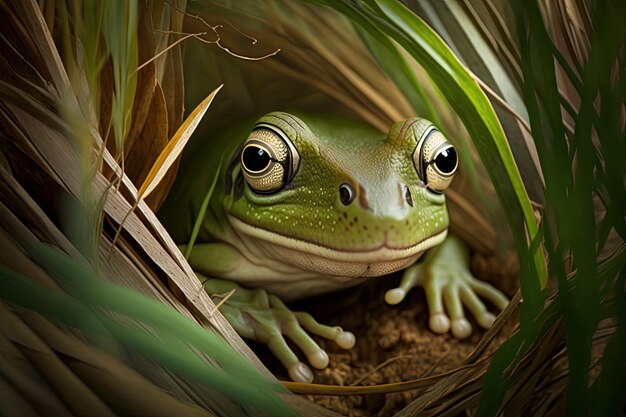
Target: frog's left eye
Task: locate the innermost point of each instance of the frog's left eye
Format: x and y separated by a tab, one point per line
269	160
435	160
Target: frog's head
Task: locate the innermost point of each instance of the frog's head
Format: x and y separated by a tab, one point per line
339	197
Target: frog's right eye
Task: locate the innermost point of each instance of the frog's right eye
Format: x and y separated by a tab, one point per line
269	160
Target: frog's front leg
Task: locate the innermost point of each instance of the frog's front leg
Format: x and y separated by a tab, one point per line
255	314
445	276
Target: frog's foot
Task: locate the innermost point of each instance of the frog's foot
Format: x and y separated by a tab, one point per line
448	282
257	315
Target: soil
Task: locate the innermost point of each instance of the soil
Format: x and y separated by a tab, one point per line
393	343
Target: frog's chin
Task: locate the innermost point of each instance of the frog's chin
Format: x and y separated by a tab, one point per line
331	261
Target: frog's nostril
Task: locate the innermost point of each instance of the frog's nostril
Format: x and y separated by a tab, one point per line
407	196
346	194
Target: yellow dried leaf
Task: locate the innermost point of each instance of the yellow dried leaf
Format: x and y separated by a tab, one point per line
174	147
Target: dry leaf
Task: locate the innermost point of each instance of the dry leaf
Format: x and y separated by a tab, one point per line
175	147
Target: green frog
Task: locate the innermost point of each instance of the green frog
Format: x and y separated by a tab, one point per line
306	204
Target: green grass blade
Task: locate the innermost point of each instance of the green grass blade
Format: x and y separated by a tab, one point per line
549	137
203	208
609	126
23	291
462	33
583	317
172	343
119	31
89	29
608	389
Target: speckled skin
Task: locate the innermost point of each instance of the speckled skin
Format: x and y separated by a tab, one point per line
315	243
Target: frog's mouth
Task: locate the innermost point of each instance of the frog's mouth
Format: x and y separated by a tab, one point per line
367	256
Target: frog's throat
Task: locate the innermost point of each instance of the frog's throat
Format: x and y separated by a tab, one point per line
379	254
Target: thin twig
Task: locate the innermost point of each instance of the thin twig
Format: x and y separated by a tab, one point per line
193	16
224	299
379	367
194	35
218	39
252	39
247	58
387	388
500	101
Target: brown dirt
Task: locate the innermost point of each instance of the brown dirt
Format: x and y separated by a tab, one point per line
393	343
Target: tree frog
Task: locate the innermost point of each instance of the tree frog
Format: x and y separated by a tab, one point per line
305	204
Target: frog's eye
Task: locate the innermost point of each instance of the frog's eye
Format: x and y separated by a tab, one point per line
435	160
269	160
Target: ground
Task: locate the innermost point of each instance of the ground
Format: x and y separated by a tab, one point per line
393	343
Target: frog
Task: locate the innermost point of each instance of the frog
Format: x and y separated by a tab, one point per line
294	204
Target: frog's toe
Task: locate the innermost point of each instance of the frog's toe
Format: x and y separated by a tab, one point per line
410	278
318	359
490	293
461	328
439	323
395	296
299	372
345	340
317	356
486	320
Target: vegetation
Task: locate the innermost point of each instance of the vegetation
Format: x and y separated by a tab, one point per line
97	297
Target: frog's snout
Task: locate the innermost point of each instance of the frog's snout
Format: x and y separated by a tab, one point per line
346	193
394	202
406	194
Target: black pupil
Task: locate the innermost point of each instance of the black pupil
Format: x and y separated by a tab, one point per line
255	159
446	160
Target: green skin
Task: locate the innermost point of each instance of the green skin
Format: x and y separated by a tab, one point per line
302	240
